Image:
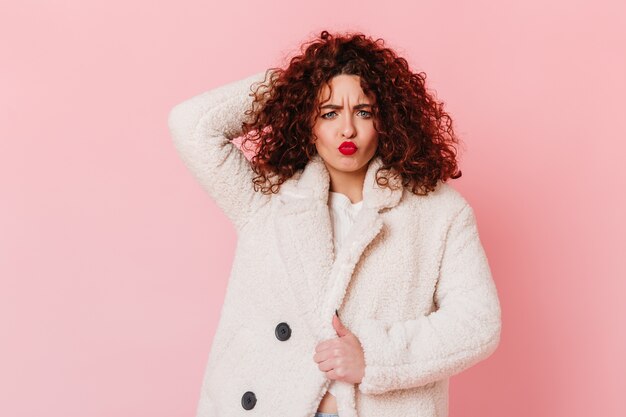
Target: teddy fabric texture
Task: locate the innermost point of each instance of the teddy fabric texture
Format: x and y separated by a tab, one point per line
342	214
411	280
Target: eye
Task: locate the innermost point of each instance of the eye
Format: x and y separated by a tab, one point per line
366	114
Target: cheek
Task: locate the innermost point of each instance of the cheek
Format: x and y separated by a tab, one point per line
323	134
367	129
372	138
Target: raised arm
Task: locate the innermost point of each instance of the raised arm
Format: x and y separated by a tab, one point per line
462	332
202	128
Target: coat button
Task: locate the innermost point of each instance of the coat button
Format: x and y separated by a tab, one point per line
248	400
282	331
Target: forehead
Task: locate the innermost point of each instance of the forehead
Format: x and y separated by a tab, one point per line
344	86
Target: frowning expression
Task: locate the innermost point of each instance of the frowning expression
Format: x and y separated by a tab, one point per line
344	132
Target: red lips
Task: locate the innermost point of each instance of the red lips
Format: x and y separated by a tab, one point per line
347	148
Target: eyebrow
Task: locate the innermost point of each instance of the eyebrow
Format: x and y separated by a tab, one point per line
334	106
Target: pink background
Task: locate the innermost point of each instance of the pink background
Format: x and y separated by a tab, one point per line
113	261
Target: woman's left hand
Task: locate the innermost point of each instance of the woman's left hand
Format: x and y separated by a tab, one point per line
341	358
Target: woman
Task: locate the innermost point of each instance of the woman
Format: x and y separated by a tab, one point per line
359	284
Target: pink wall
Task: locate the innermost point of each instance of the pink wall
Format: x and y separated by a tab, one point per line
113	262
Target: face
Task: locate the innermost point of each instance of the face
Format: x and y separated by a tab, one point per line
345	116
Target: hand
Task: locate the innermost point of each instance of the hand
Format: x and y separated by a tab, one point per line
341	358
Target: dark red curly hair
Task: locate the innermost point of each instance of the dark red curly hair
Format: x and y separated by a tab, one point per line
415	134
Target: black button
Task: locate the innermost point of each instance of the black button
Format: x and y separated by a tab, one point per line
282	331
248	401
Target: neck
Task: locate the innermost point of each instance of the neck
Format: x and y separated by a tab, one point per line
348	183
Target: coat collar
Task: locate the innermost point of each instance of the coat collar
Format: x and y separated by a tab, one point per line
313	183
316	276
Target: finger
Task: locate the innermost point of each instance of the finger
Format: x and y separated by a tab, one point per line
332	374
326	365
334	351
339	327
326	344
321	356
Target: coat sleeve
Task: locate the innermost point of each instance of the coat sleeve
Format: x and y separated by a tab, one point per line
464	330
202	128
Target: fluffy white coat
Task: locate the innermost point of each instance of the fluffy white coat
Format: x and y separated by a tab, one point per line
412	282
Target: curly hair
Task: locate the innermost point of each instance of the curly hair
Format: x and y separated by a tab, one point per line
416	137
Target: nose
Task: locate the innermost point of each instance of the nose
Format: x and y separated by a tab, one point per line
349	130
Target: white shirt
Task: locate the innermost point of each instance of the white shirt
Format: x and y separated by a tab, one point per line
342	215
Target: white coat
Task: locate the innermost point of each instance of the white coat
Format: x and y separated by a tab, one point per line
412	282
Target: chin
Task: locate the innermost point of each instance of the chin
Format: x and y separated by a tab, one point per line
347	164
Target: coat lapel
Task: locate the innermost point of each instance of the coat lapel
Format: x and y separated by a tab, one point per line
316	278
